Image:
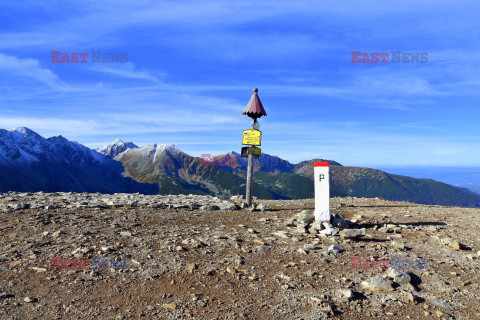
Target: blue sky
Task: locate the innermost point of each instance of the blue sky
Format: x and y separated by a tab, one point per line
192	67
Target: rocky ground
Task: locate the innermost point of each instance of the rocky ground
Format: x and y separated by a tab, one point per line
198	257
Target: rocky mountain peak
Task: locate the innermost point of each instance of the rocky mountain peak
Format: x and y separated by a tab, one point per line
113	149
25	132
169	147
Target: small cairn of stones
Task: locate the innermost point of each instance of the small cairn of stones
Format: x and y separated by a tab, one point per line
304	222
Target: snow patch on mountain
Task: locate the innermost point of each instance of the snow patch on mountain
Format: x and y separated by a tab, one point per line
151	151
167	148
113	149
30	162
22	146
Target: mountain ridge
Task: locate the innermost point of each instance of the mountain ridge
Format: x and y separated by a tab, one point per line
30	162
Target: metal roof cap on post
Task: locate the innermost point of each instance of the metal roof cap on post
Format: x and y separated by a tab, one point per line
254	108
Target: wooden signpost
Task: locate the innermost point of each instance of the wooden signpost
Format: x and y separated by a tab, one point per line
252	137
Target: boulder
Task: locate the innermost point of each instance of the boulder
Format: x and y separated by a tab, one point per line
377	284
306	217
346	294
210	207
339	221
353	233
398	276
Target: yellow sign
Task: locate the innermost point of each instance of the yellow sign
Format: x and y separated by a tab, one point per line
252	137
255	151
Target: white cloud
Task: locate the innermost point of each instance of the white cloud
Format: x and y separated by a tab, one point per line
125	70
29	68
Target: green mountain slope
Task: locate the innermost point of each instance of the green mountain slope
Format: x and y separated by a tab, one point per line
369	183
274	178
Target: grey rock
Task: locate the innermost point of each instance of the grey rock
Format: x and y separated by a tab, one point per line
253	207
305	217
228	206
281	234
20	206
353	233
339	221
440	303
399	276
310	273
192	205
180	206
327	225
30	299
346	294
335	231
262	207
125	233
377	284
58	233
317	225
334	249
384	229
301	229
327	232
209	208
452	243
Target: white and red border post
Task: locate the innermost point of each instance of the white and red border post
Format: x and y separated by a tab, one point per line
322	191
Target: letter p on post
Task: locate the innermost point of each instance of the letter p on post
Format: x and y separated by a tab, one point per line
322	191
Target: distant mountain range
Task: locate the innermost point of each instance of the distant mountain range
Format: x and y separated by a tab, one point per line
29	162
467	177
